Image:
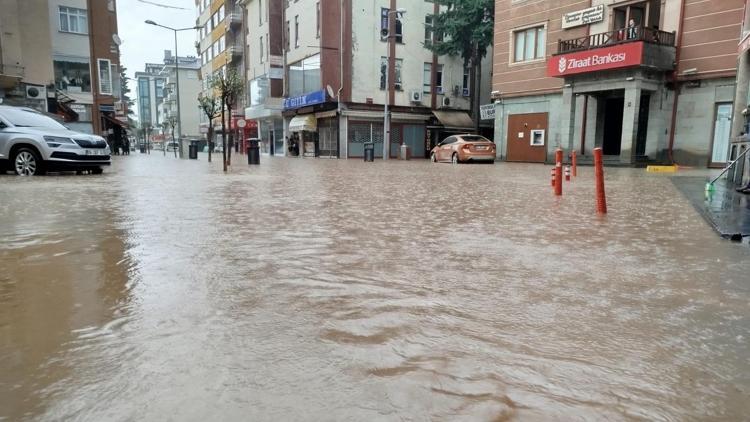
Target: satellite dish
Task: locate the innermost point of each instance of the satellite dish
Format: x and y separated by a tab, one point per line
116	39
330	91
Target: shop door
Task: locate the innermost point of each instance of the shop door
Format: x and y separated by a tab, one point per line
613	110
722	127
328	142
414	139
527	137
642	134
361	133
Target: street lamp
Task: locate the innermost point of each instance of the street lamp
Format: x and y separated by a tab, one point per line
386	118
176	71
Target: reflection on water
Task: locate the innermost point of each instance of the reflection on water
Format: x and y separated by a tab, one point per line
338	290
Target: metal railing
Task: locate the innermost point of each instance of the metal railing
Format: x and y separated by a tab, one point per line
620	36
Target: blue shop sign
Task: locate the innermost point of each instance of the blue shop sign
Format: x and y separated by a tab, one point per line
317	97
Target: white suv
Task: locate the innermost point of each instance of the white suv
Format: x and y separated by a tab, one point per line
32	143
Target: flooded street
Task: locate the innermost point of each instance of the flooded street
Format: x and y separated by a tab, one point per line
310	289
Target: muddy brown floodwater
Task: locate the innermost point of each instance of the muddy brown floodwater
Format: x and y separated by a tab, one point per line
319	290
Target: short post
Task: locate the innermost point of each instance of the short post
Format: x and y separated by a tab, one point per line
601	200
567	173
558	172
552	177
574	163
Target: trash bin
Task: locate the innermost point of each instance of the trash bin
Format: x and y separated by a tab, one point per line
193	150
143	148
369	151
405	153
253	151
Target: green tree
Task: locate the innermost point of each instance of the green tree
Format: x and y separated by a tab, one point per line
229	85
465	28
209	105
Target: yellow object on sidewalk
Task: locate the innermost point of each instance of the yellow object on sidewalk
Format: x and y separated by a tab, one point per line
662	169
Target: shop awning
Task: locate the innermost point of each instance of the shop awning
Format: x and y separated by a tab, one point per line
454	119
302	123
115	121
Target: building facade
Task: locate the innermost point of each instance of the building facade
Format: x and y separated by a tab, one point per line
645	80
319	78
69	65
150	84
188	124
740	136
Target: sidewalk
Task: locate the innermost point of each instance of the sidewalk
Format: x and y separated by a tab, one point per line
726	210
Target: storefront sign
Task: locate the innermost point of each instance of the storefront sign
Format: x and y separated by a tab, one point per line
583	17
487	111
619	56
317	97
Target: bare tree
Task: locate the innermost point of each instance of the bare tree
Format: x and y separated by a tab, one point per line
164	130
171	124
229	86
209	104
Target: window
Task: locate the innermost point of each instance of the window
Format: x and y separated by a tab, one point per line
384	66
159	84
465	84
304	76
296	31
220	12
529	44
427	78
428	30
317	20
105	77
439	79
222	43
72	76
261	49
384	13
260	12
74	20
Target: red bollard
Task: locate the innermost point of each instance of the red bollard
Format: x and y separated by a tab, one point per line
601	200
567	173
558	172
552	177
574	163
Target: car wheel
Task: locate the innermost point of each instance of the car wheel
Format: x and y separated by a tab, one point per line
454	159
26	162
97	170
433	157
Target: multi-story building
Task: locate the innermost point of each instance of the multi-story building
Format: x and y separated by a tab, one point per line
740	135
188	123
25	54
335	90
150	93
221	47
644	80
68	64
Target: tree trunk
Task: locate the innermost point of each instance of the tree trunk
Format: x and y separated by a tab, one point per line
223	139
476	89
231	137
173	140
210	136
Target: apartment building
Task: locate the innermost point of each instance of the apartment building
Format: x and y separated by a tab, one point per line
67	65
645	80
740	136
220	46
334	63
150	85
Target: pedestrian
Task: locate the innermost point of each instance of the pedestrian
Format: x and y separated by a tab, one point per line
632	29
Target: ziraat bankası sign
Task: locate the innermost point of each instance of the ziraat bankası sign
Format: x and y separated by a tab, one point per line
615	57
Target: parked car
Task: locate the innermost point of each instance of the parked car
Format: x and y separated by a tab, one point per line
462	148
32	143
172	146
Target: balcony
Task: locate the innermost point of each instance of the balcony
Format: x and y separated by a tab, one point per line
235	51
234	18
10	75
625	48
620	36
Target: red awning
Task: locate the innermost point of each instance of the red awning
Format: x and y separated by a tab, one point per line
115	121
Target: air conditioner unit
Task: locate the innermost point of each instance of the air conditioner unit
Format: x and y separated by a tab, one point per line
416	96
37	92
446	101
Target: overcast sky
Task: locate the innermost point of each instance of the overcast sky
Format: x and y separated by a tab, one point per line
144	43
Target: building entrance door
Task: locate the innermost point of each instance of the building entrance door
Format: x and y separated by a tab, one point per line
527	139
722	127
642	134
613	109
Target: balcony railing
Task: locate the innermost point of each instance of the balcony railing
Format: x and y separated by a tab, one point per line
620	36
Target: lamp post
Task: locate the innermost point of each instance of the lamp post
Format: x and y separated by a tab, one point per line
386	116
176	70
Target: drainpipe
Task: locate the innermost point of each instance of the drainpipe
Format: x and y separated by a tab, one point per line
673	124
